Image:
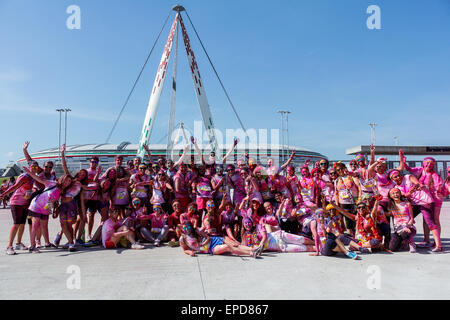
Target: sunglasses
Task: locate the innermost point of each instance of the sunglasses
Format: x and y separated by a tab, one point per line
94	161
322	164
361	207
49	167
210	205
157	208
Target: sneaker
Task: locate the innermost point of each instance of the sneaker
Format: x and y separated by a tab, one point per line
57	240
10	251
66	246
21	246
177	244
34	250
72	248
351	255
171	243
157	243
437	249
79	242
90	243
365	250
412	247
38	244
137	246
259	250
423	244
50	245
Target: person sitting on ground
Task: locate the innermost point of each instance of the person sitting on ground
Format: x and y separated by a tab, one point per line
113	231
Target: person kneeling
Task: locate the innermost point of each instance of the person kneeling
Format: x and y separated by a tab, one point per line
113	231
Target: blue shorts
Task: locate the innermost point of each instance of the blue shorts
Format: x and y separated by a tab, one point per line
215	241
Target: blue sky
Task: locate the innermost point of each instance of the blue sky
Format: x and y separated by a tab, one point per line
315	58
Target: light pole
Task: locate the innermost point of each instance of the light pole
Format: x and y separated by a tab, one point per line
283	129
282	134
396	144
372	133
65	125
287	128
59	135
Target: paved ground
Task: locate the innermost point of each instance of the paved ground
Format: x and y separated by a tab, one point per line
167	273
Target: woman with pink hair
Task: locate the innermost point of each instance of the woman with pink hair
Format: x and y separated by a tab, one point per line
428	178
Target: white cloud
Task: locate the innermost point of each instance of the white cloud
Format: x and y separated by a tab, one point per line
10	154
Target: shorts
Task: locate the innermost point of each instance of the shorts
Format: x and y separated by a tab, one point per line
201	203
215	241
68	211
92	205
38	215
120	206
102	205
19	214
349	223
330	244
110	244
428	214
346	239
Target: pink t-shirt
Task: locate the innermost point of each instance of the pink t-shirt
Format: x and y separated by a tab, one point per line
434	184
21	197
140	191
204	189
401	214
159	222
41	203
383	186
421	197
121	196
183	188
108	229
92	194
73	190
293	181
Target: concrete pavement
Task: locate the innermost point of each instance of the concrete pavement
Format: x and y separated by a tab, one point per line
167	273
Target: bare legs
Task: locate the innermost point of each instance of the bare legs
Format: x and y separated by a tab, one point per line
16	229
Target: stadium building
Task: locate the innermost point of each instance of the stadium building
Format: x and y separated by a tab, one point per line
78	156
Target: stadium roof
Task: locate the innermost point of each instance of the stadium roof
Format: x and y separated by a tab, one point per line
408	150
129	149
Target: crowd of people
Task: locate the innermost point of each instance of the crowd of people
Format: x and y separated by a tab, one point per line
242	209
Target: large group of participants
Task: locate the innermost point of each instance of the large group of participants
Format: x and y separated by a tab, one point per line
243	208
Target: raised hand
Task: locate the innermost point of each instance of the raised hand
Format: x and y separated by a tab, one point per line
192	139
293	153
25	145
236	141
63	148
402	155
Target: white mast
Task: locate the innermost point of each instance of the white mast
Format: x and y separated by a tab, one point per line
199	90
152	107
